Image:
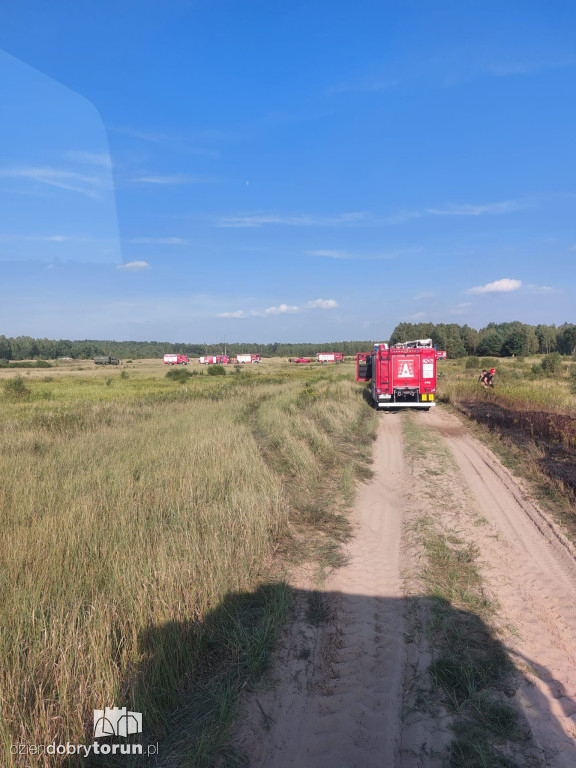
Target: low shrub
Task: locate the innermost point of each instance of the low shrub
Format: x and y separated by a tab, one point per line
473	362
25	364
179	374
216	370
16	389
552	363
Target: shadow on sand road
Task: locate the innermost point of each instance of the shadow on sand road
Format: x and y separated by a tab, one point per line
189	712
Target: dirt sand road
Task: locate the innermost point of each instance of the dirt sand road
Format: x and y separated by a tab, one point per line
337	691
341	706
531	569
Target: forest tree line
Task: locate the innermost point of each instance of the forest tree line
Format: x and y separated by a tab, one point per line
495	340
28	348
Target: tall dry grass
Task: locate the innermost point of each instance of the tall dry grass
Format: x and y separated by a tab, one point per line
515	386
122	515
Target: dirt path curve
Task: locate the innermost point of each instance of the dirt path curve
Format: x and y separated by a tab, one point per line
341	707
530	567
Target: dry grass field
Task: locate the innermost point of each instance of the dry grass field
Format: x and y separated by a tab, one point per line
530	415
133	506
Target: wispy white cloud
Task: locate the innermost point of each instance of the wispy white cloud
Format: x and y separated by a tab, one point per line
476	210
60	239
453	68
85	184
544	289
186	144
460	309
464	209
283	309
159	241
416	316
322	304
134	266
424	295
365	218
512	67
176	178
49	238
365	85
101	159
237	313
156	137
291	220
347	256
506	285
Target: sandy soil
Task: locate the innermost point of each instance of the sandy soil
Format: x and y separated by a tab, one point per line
338	694
530	567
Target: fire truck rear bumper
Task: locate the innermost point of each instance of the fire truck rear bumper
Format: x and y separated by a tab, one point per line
391	404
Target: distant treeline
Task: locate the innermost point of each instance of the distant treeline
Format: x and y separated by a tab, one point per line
27	348
495	340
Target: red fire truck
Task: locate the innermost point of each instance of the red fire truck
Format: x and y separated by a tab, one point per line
330	357
176	360
248	359
401	376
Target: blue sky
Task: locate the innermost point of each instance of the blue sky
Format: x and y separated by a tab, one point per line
260	171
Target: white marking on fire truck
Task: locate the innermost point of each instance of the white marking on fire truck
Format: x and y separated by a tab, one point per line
428	370
406	372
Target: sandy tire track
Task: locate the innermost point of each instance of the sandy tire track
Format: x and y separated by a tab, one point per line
342	707
530	567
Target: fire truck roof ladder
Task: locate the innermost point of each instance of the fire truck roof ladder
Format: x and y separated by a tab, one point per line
415	344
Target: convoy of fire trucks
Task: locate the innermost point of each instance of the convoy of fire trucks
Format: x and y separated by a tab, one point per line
402	375
226	359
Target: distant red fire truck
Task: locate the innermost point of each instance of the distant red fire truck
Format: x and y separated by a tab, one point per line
214	359
330	357
248	358
401	376
176	360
